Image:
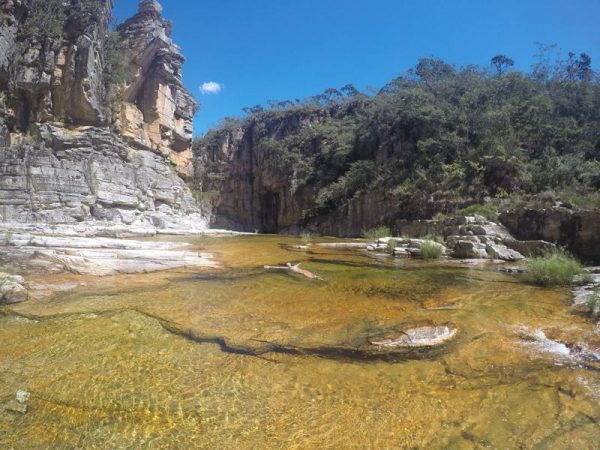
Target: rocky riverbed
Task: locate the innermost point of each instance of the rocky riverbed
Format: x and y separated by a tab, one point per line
407	350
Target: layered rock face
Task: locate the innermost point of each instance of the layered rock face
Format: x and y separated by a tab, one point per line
158	110
50	78
69	153
576	229
87	173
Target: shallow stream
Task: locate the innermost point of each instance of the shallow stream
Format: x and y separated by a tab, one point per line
241	357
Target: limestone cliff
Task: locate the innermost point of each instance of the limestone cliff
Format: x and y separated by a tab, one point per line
73	146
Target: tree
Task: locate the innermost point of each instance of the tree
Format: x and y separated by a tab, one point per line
433	71
349	90
579	68
502	63
45	20
332	94
548	64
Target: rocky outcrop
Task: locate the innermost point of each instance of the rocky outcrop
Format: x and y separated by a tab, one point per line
576	229
465	237
158	110
85	174
45	77
69	152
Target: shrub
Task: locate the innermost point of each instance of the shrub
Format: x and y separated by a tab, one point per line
116	62
46	19
490	212
431	250
555	268
391	246
376	233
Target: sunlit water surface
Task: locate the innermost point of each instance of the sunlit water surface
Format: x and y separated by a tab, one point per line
157	361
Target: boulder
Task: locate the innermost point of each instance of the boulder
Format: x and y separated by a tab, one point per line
12	289
498	251
583	295
469	249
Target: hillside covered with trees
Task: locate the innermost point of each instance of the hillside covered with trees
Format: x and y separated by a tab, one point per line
436	139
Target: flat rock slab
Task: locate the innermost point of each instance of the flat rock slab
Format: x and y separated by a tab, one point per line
418	337
100	256
343	245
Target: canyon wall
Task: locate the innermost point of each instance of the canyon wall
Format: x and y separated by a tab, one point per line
78	145
255	172
258	186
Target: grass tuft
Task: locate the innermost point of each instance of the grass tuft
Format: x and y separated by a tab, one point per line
391	246
431	250
556	268
376	233
593	302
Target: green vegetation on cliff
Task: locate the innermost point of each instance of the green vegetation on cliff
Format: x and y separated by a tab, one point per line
436	139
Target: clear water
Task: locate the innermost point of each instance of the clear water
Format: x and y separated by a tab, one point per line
242	358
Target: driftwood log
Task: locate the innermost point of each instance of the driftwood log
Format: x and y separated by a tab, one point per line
296	269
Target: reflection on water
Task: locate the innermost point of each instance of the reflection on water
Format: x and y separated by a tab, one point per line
118	364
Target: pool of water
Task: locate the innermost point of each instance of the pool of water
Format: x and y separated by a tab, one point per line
241	357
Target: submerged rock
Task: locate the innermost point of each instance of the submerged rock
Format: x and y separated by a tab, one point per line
19	405
418	337
22	396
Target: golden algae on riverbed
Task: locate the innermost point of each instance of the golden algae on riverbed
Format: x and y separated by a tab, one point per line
125	368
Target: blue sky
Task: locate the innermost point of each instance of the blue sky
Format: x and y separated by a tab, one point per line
263	50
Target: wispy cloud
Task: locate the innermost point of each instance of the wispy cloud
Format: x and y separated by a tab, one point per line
211	87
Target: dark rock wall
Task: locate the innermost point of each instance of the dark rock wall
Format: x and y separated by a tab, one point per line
578	230
257	192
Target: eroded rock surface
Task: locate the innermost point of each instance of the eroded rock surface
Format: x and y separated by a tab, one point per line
69	152
158	110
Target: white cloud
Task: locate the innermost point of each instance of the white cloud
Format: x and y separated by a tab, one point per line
211	87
